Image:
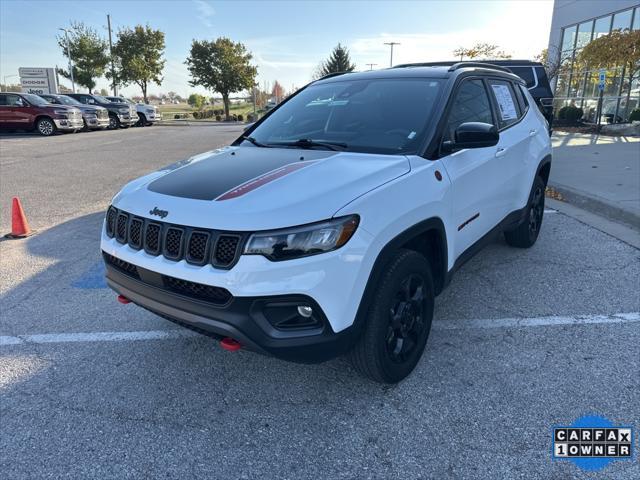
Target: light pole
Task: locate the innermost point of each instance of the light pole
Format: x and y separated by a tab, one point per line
371	65
5	79
66	36
391	44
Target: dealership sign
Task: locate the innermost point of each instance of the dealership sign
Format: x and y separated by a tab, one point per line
38	80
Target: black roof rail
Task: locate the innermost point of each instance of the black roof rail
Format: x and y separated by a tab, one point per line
330	75
456	65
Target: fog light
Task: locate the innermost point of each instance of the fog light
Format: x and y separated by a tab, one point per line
305	311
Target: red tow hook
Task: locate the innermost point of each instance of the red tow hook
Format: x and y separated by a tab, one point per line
123	299
230	344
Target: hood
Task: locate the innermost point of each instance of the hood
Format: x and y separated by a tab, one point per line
90	108
55	106
250	188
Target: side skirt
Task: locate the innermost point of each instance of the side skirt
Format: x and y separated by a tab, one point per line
509	222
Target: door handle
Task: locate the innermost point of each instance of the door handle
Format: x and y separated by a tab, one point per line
501	152
532	132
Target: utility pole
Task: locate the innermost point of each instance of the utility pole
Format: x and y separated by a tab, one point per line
371	65
66	37
113	69
391	44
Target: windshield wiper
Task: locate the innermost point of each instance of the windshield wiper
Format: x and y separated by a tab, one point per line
254	141
308	143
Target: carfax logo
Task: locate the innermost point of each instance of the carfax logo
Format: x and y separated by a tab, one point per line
592	442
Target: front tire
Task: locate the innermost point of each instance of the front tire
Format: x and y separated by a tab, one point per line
46	127
142	120
398	321
526	234
114	122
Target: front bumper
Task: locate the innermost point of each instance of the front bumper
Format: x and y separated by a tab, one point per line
126	119
152	117
68	124
245	319
94	122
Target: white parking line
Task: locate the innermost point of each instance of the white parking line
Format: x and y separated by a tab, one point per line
8	340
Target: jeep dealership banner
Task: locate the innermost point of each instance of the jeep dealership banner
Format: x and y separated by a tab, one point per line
38	80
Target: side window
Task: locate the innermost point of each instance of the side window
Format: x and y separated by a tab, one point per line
522	101
15	101
508	108
525	73
86	99
470	104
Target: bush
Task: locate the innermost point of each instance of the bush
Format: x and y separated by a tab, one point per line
570	113
634	116
250	117
234	117
240	118
218	118
196	115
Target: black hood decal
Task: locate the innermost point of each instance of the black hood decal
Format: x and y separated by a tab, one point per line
209	178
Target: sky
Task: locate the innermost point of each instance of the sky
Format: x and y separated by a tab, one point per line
288	39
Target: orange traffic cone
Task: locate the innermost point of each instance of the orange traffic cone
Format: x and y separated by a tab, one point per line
19	225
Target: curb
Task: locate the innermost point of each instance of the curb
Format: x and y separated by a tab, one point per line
599	207
620	231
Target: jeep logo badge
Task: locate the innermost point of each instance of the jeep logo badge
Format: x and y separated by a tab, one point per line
158	212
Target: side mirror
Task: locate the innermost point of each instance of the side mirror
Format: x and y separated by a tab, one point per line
472	135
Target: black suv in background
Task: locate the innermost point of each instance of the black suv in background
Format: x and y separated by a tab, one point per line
121	115
533	73
94	117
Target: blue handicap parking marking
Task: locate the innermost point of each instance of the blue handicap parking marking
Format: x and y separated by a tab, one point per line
93	278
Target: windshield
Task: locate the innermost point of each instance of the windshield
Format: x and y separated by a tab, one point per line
378	116
101	99
67	100
120	100
35	99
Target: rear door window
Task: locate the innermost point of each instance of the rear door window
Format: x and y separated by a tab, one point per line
508	108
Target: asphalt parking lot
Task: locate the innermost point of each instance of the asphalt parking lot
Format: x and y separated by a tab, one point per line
90	388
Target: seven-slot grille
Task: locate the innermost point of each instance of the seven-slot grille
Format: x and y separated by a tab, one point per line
175	242
102	113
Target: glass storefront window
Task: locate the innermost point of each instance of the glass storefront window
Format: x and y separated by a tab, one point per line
636	19
602	27
622	20
569	38
584	34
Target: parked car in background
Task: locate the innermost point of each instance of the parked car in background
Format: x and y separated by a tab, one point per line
147	114
121	115
26	111
94	117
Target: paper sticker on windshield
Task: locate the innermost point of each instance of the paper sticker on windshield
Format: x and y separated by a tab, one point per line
411	135
505	102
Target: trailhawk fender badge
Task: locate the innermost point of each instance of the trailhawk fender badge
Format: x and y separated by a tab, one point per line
263	179
158	212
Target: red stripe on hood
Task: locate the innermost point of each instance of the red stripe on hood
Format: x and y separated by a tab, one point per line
262	180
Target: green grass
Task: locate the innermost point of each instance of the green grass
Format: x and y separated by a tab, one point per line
181	107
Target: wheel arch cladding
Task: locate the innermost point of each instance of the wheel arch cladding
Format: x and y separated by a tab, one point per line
544	169
428	238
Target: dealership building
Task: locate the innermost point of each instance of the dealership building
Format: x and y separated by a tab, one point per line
575	23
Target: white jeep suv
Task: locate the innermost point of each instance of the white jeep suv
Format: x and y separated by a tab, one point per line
330	226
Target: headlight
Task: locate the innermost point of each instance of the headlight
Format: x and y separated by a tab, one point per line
61	112
123	110
303	241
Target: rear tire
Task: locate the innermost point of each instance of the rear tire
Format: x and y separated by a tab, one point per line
526	234
45	127
398	320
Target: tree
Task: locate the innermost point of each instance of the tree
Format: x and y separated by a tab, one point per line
138	53
551	61
617	49
196	100
88	54
221	66
482	50
104	92
277	91
338	62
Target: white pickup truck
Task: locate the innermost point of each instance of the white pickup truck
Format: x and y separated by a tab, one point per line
147	114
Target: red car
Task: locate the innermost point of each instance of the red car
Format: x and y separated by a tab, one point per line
25	111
